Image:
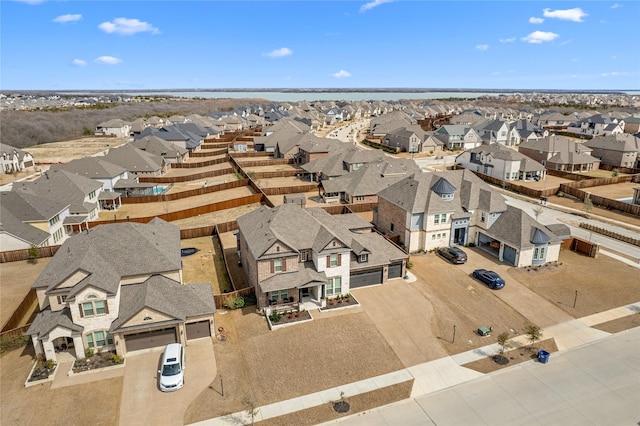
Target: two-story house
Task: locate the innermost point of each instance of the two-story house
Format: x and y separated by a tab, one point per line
14	159
595	125
560	153
333	255
457	137
618	150
114	127
501	162
118	287
430	210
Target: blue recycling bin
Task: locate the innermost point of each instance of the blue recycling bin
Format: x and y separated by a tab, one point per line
543	356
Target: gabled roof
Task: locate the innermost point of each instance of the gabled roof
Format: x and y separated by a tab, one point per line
109	252
10	151
519	230
47	320
29	207
114	123
134	160
11	225
442	186
91	167
621	142
165	296
62	186
159	146
414	195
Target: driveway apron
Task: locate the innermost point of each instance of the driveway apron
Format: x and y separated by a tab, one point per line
142	401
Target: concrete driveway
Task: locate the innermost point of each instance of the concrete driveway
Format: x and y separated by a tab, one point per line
144	403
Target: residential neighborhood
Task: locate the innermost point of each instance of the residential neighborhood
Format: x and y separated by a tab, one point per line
296	246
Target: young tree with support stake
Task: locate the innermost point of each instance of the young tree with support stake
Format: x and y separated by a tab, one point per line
533	332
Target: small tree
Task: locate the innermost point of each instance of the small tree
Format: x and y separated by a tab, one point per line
537	212
252	410
533	332
33	255
503	341
588	204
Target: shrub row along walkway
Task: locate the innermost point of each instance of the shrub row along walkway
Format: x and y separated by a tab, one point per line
435	375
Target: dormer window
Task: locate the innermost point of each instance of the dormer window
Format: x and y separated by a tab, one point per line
62	299
364	258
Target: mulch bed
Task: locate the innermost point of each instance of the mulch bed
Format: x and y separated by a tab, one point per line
288	318
341	303
99	360
42	371
512	357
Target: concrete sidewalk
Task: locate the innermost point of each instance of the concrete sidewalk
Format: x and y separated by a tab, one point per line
432	376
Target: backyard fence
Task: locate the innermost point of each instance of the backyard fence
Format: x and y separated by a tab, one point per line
21	312
219	299
608	203
208	153
290	189
23	254
581	246
206	163
187	178
611	234
185	194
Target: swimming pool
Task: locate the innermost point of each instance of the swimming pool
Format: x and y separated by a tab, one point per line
160	189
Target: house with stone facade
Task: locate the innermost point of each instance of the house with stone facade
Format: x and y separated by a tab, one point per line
560	153
430	210
333	255
118	287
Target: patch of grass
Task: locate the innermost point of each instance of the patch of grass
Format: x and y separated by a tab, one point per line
12	342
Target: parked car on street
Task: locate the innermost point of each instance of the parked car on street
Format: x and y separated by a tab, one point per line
453	254
171	373
490	278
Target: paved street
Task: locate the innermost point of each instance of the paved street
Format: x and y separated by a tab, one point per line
593	384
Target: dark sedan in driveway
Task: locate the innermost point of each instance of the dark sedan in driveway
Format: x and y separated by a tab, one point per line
490	278
453	254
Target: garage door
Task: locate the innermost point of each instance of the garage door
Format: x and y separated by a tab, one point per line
509	255
150	339
395	270
195	330
361	279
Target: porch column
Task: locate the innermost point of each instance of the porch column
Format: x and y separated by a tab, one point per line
49	351
78	346
37	345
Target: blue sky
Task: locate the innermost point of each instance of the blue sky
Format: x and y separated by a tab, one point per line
117	45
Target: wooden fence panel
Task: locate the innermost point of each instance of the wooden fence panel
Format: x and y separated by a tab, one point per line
23	254
199	164
185	194
187	178
251	154
261	163
290	189
21	311
223	227
208	153
220	298
276	174
15	332
203	231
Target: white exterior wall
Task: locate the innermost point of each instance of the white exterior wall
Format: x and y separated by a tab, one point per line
97	322
508	167
9	242
342	271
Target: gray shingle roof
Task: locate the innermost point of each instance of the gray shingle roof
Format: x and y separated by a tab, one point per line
29	207
13	226
47	320
518	229
134	160
91	167
109	252
166	296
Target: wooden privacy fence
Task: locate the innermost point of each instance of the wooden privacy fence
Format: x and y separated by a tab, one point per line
23	254
206	163
277	174
21	311
207	231
14	332
581	246
273	162
208	153
514	187
588	183
186	213
611	234
187	178
290	189
620	169
607	203
185	194
220	298
223	227
250	154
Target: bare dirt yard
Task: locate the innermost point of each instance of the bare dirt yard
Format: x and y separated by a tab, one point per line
15	282
615	192
65	151
267	366
206	265
220	216
39	405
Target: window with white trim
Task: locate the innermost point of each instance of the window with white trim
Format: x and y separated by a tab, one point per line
274	296
333	260
364	257
277	265
334	286
98	339
93	307
539	253
62	299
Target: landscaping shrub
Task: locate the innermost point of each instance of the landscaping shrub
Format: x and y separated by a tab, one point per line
234	303
250	300
12	342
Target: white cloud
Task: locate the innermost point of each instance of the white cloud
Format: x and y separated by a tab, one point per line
126	26
279	53
372	4
613	74
534	20
341	74
63	19
616	5
507	40
79	63
540	37
482	46
109	60
576	14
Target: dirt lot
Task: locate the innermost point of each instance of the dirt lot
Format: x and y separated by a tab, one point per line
15	282
65	151
221	216
270	366
617	191
548	182
39	405
596	211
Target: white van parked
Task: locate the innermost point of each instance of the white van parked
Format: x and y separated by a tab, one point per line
171	372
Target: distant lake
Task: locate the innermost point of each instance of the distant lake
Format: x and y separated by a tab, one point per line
322	96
